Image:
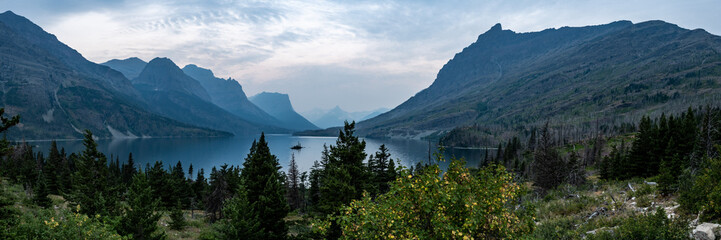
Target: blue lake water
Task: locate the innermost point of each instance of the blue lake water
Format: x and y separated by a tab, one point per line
209	152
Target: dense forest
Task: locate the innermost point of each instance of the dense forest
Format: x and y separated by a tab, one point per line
536	188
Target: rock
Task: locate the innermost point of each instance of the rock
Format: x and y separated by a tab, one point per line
706	231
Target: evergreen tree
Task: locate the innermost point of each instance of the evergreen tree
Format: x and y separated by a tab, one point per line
293	182
640	157
40	193
241	222
200	189
140	218
179	185
265	189
90	184
177	220
53	168
315	182
128	170
159	181
548	166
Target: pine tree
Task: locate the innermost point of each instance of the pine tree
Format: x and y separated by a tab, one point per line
548	166
265	189
90	184
128	170
141	213
293	189
52	169
179	185
241	222
159	181
177	220
640	156
40	193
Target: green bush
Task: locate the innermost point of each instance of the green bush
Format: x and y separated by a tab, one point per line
452	206
648	226
704	193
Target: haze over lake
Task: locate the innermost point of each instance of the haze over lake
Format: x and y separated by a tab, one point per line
207	153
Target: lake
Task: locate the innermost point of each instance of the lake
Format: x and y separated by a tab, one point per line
209	152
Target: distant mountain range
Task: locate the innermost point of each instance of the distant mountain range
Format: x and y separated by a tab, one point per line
578	76
334	117
58	93
278	105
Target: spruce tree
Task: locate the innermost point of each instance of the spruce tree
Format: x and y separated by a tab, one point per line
140	218
548	166
177	220
265	189
240	221
90	184
40	193
53	168
293	182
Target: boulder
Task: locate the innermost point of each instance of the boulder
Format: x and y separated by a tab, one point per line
706	231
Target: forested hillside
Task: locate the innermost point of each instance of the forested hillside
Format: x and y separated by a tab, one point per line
575	77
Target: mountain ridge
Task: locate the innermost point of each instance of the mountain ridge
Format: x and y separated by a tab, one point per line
571	75
279	106
57	101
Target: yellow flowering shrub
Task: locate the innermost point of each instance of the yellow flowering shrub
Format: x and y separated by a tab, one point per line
435	205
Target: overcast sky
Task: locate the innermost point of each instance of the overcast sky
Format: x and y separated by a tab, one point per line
360	55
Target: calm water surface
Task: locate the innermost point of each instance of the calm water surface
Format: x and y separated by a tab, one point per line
209	152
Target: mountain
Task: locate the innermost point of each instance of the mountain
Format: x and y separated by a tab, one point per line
371	114
329	118
171	93
130	67
278	105
336	116
40	39
229	95
58	93
596	75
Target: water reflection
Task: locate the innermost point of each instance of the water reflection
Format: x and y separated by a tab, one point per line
209	152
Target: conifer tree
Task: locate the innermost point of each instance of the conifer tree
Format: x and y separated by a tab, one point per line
548	166
90	184
643	145
140	218
293	182
265	189
53	168
40	193
129	170
177	220
240	220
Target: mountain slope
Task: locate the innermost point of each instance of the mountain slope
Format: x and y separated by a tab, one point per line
278	105
130	67
58	101
173	94
229	95
35	35
573	75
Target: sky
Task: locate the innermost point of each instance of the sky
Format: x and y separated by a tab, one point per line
359	55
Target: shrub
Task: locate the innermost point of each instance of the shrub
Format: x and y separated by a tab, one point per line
648	226
431	206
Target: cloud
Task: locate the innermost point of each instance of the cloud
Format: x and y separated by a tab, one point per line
358	54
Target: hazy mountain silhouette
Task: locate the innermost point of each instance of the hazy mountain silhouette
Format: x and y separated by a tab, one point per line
228	94
58	93
130	67
575	75
173	94
278	105
336	116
